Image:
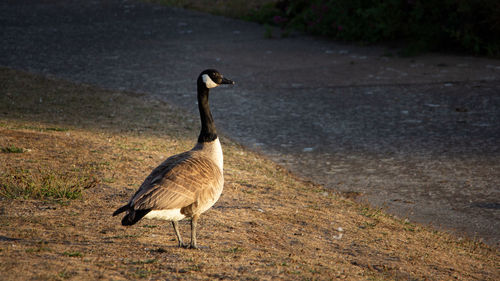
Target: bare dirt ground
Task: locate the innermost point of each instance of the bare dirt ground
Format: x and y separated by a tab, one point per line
268	224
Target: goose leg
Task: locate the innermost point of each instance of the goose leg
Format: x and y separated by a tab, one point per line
194	223
176	229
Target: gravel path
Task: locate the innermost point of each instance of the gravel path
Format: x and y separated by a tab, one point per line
419	136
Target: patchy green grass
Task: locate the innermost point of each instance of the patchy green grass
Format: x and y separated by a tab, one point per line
43	184
147	261
39	249
73	254
12	149
234	250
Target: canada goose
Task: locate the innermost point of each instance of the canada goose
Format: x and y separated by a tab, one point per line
186	184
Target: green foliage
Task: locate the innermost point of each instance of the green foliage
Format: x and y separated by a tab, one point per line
40	184
472	26
56	129
147	261
269	31
12	149
73	254
234	250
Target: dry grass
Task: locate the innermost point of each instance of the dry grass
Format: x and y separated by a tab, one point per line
268	224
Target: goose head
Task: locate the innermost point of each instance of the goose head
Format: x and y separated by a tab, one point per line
212	78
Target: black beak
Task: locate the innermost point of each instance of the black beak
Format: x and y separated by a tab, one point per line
227	81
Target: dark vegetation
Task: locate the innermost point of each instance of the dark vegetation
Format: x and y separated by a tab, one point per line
466	26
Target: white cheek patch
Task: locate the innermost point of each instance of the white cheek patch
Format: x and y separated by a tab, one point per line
208	81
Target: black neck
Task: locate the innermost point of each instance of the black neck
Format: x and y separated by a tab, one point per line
208	132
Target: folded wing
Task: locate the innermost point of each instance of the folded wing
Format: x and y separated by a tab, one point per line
177	183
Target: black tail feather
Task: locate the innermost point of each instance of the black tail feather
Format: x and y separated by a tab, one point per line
121	210
134	216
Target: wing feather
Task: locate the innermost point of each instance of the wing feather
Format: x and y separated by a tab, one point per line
176	183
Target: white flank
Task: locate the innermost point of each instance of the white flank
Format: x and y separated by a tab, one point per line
208	81
168	215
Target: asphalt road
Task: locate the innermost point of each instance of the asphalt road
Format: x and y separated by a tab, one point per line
419	136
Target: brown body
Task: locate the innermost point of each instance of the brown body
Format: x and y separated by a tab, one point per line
190	183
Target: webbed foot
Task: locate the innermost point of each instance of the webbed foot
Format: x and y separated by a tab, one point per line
189	246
